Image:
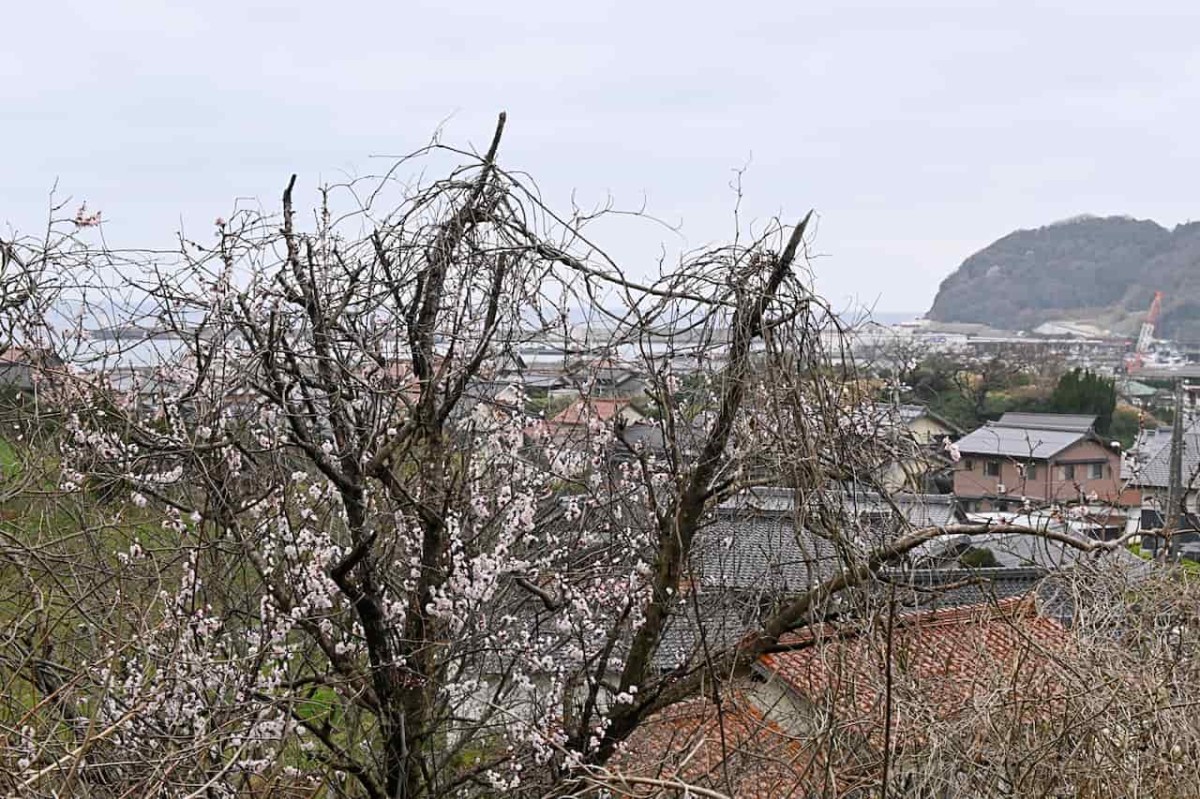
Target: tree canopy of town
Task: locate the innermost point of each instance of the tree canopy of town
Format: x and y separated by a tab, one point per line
321	551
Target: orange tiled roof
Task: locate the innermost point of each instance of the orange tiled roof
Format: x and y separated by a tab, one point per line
583	410
942	662
735	750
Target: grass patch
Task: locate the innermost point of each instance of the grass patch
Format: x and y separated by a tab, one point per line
1189	567
10	463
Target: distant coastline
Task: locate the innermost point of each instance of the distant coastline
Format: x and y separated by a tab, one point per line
887	317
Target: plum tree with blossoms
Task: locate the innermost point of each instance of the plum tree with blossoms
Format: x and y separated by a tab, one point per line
328	546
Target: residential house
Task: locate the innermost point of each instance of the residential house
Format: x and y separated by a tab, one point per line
540	384
920	466
22	367
608	377
1139	394
955	570
1045	458
926	426
755	551
1148	470
604	410
731	748
758	549
812	718
859	689
943	581
488	403
576	425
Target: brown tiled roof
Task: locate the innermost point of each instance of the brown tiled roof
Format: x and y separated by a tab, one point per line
735	750
581	411
943	662
25	355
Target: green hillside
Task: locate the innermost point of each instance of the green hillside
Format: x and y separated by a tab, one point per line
1104	270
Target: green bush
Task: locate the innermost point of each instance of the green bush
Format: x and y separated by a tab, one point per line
981	558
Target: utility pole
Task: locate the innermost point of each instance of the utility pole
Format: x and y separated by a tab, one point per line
1175	496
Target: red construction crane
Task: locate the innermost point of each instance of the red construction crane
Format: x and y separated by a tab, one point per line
1147	332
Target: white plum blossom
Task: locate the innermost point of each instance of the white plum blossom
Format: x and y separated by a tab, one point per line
85	218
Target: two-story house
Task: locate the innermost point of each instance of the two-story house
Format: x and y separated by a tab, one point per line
923	466
1041	457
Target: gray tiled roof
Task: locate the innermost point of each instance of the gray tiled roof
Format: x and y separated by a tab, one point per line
763	552
754	554
646	434
931	589
723	618
1150	464
543	380
958	587
1017	442
727	617
1014	550
1073	422
746	561
743	561
920	510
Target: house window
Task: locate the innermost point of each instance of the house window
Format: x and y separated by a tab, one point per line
1068	471
991	468
1096	471
1031	471
969	465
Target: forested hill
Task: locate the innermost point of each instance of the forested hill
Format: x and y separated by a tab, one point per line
1104	270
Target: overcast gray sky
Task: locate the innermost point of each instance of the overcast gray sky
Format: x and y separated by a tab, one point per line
919	132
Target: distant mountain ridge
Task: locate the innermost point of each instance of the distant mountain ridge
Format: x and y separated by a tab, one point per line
1103	270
